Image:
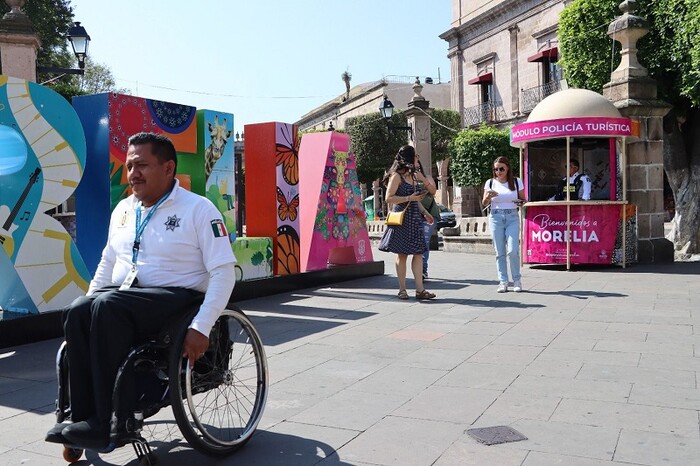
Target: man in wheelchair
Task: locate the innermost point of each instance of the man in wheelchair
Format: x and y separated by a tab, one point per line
167	248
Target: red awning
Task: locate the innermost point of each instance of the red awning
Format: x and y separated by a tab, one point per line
549	54
486	78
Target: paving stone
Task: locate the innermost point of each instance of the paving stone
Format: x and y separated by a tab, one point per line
452	404
485	376
677	421
650	376
593	357
538	458
571	388
385	442
506	354
655	448
567	439
351	409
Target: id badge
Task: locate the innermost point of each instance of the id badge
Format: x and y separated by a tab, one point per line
129	280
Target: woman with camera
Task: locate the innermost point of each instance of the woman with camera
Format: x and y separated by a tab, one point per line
406	239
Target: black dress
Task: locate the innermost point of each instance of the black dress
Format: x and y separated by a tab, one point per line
407	238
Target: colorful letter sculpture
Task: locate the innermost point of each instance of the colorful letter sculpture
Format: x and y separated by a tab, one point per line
254	258
109	120
214	130
200	139
333	222
272	190
42	157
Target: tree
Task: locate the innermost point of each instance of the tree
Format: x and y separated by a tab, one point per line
98	78
474	150
374	144
346	77
443	130
671	53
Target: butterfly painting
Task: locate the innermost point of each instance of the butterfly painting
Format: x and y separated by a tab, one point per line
287	154
287	209
288	250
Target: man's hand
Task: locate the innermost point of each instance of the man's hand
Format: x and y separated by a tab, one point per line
195	345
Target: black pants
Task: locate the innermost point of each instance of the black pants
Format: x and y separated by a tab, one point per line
100	330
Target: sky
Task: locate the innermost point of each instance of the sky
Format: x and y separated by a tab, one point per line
263	60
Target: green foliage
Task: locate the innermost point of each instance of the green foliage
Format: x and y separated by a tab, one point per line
670	51
474	150
440	136
374	144
98	78
584	44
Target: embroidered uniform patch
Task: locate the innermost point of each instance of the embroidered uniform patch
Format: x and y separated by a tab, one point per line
218	227
172	223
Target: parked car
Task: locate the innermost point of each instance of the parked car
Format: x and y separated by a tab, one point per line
447	217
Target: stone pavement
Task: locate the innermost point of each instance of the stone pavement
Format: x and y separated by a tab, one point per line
596	367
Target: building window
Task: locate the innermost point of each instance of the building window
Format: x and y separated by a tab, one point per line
551	71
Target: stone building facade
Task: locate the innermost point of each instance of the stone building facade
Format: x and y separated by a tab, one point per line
365	98
503	58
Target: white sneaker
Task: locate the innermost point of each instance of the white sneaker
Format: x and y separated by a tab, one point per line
517	286
502	287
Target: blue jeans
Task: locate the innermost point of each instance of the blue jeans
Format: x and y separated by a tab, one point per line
505	229
428	232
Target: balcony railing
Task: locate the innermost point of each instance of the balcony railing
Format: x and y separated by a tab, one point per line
483	113
529	98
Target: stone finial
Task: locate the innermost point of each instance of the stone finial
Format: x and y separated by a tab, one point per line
628	6
15	21
15	8
627	30
417	89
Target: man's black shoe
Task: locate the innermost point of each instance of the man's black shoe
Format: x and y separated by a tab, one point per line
87	434
54	434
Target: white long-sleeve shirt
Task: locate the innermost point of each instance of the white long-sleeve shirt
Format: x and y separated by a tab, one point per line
184	244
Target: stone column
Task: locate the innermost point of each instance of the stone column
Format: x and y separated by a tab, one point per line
634	94
18	43
418	118
457	89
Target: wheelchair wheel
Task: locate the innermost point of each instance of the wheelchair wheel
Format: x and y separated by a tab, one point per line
219	402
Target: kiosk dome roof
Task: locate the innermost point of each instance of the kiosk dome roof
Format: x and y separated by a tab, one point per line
573	103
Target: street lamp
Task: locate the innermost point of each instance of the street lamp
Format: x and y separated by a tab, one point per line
79	41
386	109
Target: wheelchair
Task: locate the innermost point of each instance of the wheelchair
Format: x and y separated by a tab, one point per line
217	404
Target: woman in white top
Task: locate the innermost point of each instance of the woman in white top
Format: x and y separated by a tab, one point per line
504	193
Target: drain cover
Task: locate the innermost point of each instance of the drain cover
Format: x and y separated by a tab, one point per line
495	435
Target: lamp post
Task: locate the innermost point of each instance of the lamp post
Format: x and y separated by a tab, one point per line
386	109
79	41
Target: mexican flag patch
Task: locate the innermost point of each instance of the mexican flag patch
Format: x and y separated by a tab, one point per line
218	227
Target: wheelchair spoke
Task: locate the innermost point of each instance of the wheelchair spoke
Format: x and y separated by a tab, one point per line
224	393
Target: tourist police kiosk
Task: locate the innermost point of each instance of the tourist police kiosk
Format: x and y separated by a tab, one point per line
583	125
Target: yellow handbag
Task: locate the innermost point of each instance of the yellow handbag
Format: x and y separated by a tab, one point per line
396	218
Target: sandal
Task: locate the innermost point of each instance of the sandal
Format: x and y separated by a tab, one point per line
425	294
403	294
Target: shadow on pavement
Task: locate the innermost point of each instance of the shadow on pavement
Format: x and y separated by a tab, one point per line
264	449
675	268
578	294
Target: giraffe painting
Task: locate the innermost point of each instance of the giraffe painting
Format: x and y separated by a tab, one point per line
219	138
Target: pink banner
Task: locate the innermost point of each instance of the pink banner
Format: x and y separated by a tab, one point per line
594	229
582	126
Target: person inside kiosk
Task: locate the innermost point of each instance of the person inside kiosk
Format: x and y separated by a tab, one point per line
578	184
